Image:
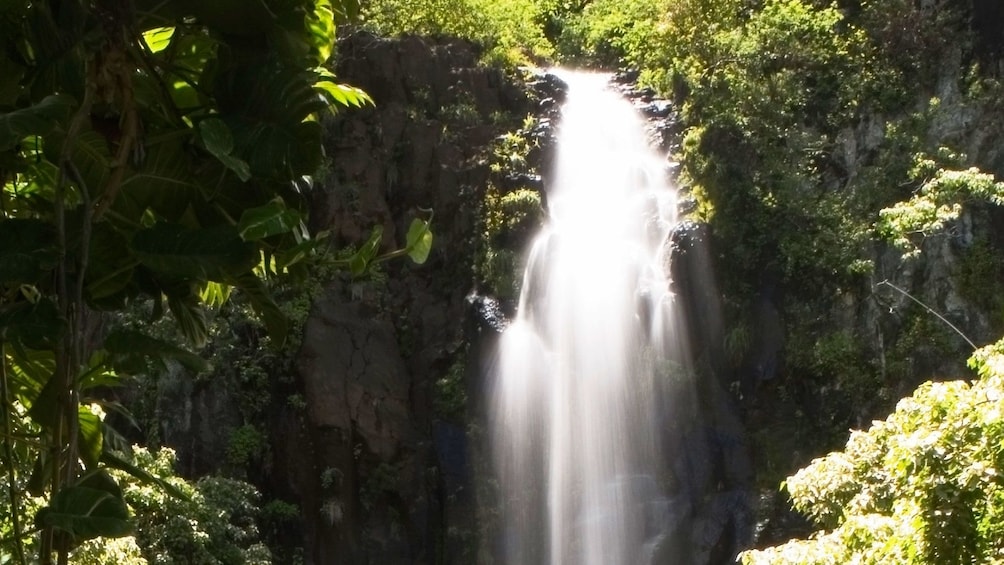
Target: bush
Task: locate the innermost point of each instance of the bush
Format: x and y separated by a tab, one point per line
921	487
214	524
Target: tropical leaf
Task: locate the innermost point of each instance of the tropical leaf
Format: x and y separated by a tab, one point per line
215	254
361	259
321	28
27	250
29	370
90	436
215	294
343	94
127	347
165	183
291	256
90	155
218	140
419	241
268	112
190	317
276	323
271	219
39	119
111	265
86	513
34	325
158	38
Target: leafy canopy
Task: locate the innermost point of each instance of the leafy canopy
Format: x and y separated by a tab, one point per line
923	486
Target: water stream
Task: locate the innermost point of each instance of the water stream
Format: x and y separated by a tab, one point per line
575	411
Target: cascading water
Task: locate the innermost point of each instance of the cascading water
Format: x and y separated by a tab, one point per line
575	406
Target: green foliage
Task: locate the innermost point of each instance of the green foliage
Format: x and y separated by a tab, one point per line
773	95
508	29
245	444
214	522
609	32
938	202
149	152
923	486
509	218
510	215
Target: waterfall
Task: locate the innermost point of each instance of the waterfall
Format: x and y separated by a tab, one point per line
575	407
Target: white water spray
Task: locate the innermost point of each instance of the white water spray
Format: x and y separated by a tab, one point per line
575	410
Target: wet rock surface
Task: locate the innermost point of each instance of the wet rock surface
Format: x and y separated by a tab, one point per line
377	351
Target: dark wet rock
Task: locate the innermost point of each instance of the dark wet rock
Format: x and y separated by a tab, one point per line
523	180
487	313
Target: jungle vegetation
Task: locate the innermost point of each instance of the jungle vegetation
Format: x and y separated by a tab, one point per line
154	156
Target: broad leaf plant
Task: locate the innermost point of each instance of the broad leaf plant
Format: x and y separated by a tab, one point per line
150	150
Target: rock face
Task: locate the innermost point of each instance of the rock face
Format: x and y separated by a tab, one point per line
382	473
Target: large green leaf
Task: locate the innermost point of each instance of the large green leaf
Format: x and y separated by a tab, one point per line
34	325
164	183
39	119
90	155
90	437
291	256
215	254
271	219
268	111
86	513
419	241
158	38
276	323
218	140
191	318
343	94
111	265
321	27
362	258
27	250
130	349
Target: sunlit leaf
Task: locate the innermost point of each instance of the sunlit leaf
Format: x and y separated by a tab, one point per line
90	438
343	94
215	294
271	219
28	371
321	25
419	241
157	39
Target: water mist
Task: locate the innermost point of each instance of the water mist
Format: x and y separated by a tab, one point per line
575	408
